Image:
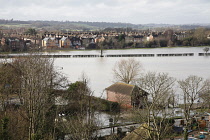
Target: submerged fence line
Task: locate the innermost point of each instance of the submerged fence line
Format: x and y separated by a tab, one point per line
107	55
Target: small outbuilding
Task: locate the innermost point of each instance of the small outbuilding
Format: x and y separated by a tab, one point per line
128	96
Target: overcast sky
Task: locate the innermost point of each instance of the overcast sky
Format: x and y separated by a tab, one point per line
129	11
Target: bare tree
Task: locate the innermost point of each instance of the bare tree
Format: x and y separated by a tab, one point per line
200	35
191	88
155	113
76	128
206	49
127	71
8	82
38	79
205	95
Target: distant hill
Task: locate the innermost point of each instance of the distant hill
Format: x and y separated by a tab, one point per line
87	26
81	25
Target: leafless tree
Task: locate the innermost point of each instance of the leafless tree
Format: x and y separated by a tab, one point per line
206	49
8	81
127	71
8	85
205	95
200	35
76	128
191	88
38	78
159	86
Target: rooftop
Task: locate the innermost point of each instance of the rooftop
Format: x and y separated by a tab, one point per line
121	88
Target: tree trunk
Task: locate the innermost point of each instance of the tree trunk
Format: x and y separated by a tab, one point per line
186	133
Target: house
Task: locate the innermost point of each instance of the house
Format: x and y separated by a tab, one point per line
87	42
76	42
13	43
126	95
99	39
65	42
180	35
50	42
150	37
45	41
208	37
138	39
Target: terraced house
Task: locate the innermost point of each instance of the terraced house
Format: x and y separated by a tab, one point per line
12	44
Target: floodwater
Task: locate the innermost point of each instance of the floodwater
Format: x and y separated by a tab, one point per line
99	69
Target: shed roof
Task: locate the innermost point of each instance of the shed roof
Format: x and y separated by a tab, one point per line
121	88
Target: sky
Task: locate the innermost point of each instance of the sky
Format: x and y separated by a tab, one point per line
126	11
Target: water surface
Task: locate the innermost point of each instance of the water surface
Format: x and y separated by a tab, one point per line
99	70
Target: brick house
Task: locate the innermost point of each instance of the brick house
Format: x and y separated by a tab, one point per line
65	42
138	39
50	42
128	96
76	42
12	43
87	42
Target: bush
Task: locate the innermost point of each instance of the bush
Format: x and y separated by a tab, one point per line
109	106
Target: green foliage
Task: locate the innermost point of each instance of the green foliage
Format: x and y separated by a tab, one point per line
120	37
77	90
130	44
31	31
189	41
206	42
4	134
108	105
76	86
79	98
178	42
36	137
163	43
